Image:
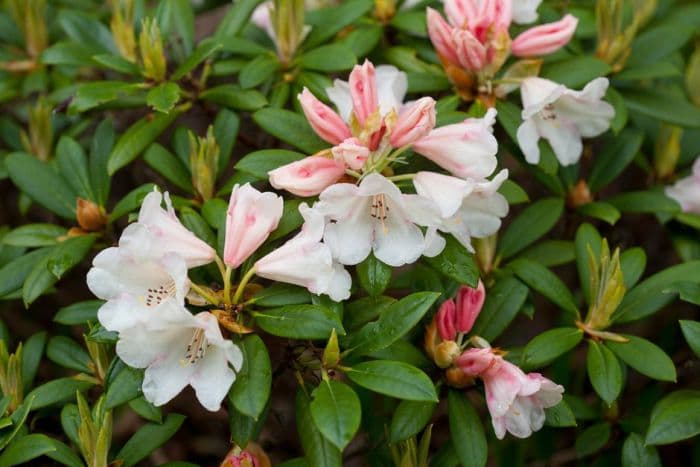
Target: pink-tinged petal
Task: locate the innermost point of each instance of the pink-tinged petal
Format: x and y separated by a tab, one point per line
503	382
325	121
363	91
308	176
414	122
545	39
440	33
471	54
459	12
352	152
250	218
469	304
445	191
446	320
474	362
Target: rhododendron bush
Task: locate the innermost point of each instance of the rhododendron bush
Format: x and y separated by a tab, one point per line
358	232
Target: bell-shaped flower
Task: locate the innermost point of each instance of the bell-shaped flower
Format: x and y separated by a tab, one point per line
180	351
250	218
544	39
375	216
515	400
467	149
351	152
308	176
415	121
169	235
459	314
306	261
686	191
468	208
325	121
562	117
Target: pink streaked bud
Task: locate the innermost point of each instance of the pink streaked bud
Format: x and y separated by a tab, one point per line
460	12
352	152
440	33
415	121
326	123
363	91
545	39
475	361
251	217
469	304
243	459
308	176
470	52
446	320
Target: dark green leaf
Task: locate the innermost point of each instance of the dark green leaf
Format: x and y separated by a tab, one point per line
586	237
410	417
604	372
575	72
545	282
531	224
231	95
466	431
644	201
318	450
503	301
635	453
663	106
336	412
289	127
205	50
34	235
299	322
124	387
328	58
632	263
169	166
32	351
259	163
374	275
644	357
258	70
691	331
55	391
102	144
26	448
592	439
550	252
674	418
251	389
326	22
549	345
560	415
394	379
14	273
163	97
600	210
68	353
73	165
149	437
456	263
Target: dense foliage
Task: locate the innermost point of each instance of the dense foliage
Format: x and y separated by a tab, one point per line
365	232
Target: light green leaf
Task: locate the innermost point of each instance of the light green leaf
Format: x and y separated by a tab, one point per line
336	412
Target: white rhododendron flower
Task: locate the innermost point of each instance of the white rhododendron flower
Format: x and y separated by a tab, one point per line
686	191
562	117
375	216
181	350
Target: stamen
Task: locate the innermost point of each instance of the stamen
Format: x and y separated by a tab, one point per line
156	295
548	112
196	349
379	209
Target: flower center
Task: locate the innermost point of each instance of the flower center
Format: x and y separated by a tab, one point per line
196	349
548	112
156	295
379	209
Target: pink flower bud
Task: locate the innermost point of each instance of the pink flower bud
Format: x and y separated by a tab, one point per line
363	91
326	123
475	361
470	52
440	33
243	459
250	218
446	320
415	121
469	304
545	39
308	176
352	152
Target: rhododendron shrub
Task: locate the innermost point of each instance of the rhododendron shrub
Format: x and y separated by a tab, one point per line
359	232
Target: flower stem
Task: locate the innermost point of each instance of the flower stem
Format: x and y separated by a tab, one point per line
397	178
209	297
241	286
222	267
227	285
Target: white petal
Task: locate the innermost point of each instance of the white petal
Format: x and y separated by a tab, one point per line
212	378
517	419
563	137
339	286
350	239
528	138
397	240
166	378
445	191
525	11
434	243
391	88
536	93
339	94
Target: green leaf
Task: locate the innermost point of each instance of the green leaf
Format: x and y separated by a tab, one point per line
531	224
34	235
258	70
289	127
67	53
575	72
456	263
503	301
600	210
55	391
586	237
232	96
68	353
397	320
663	69
148	438
691	332
14	273
101	147
326	22
41	183
648	297
95	93
409	419
644	201
86	30
635	453
26	448
674	418
328	58
394	379
61	259
317	449
604	372
645	357
550	252
544	281
657	42
131	201
466	431
236	17
549	345
336	412
146	410
621	115
163	97
32	352
632	263
137	138
116	63
259	163
299	322
251	390
592	439
412	22
374	275
19	416
73	165
663	106
169	166
280	294
204	50
123	387
560	415
514	193
244	428
427	82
